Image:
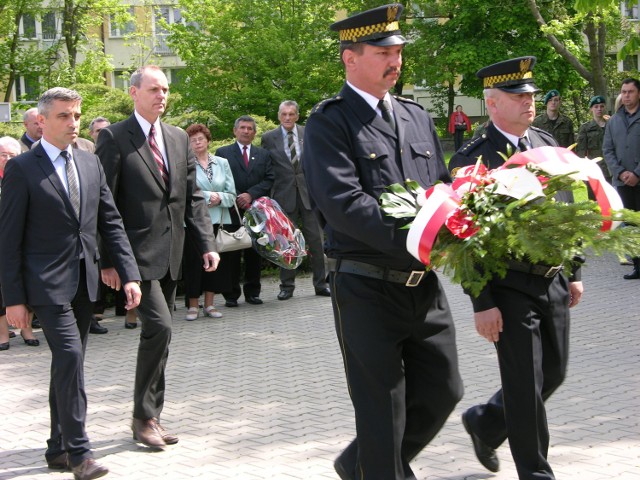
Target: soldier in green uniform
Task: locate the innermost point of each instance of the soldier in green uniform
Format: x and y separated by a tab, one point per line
552	121
591	135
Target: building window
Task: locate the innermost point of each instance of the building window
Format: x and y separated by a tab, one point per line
49	27
119	29
630	9
175	76
28	26
27	88
121	79
165	14
630	63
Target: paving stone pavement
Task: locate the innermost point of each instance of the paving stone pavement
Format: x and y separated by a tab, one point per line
260	394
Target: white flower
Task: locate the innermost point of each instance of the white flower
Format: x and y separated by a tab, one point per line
517	183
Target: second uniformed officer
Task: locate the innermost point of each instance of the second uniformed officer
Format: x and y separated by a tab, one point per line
392	318
591	136
554	122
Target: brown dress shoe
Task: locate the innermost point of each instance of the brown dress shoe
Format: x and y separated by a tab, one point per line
147	432
169	438
61	462
88	470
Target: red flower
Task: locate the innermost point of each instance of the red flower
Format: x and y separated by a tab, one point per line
461	224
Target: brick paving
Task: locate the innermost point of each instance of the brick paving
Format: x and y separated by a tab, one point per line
260	394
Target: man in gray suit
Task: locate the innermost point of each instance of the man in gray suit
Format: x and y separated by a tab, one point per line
55	201
151	171
290	191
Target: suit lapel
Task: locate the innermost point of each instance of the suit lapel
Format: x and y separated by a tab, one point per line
44	162
139	140
402	118
171	147
84	172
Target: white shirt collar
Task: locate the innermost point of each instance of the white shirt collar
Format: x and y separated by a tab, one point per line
146	126
513	138
52	151
370	99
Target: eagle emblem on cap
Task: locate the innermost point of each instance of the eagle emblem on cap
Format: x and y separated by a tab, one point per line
392	11
525	64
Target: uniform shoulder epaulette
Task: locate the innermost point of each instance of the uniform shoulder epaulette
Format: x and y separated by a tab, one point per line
544	133
472	144
323	103
407	100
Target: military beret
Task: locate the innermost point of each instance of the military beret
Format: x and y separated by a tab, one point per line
596	100
512	76
378	26
550	94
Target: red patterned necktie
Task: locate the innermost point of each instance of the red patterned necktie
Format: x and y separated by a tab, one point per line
157	155
245	155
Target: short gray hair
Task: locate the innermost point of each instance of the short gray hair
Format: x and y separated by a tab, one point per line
25	115
136	77
11	143
289	103
245	118
56	93
97	120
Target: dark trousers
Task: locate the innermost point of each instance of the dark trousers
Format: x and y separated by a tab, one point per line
155	312
307	221
533	353
630	197
400	359
66	328
458	139
252	267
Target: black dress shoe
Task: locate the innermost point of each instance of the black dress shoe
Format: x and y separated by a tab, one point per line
231	303
486	455
4	346
32	342
635	275
342	473
97	328
253	300
325	292
12	334
35	323
130	326
61	462
285	295
88	470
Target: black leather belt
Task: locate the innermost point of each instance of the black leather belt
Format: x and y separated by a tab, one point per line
534	269
409	279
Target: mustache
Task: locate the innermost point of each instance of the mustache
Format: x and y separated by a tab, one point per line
391	70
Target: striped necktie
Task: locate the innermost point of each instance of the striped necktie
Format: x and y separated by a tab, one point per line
292	147
157	156
72	182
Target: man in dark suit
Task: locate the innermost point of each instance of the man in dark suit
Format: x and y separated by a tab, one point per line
290	191
151	171
526	313
253	177
55	200
33	130
392	318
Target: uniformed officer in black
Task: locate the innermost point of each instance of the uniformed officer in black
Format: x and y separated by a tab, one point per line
526	313
392	318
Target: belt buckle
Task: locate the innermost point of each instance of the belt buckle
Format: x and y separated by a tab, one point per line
552	271
415	277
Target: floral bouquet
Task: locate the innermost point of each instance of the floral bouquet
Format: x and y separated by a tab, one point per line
485	218
273	235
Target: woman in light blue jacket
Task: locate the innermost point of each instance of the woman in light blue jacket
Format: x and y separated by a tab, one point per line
214	178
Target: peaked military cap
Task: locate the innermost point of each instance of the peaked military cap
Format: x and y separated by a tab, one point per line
550	94
378	26
596	100
512	76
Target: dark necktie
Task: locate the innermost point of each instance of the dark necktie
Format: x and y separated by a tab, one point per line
245	155
292	147
523	144
72	182
157	156
387	114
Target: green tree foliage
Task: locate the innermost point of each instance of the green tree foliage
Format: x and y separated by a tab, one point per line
247	56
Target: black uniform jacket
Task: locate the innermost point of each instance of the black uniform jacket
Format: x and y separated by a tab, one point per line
351	156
